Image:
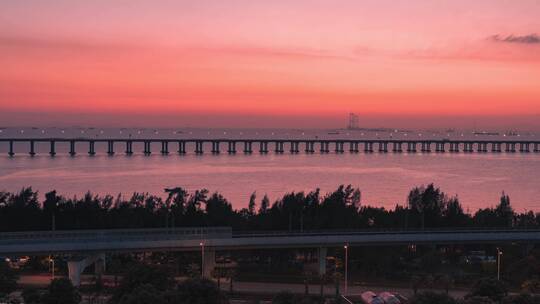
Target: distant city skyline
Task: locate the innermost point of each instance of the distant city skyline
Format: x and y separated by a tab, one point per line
305	64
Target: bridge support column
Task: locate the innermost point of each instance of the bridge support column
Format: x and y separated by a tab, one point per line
164	147
199	147
536	147
52	152
91	148
325	147
72	148
495	147
524	148
181	147
396	147
322	260
383	147
247	147
439	147
426	147
110	147
368	147
232	147
468	147
263	147
454	147
11	153
353	147
76	268
129	147
279	147
209	262
411	147
32	149
339	147
510	147
310	147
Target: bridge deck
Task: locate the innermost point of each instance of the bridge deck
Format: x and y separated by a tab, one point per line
222	238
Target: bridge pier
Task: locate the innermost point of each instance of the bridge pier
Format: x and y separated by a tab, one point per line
279	147
396	147
164	147
368	147
339	147
383	147
454	147
411	147
439	147
524	147
310	147
426	146
510	147
322	260
209	262
295	147
325	147
247	147
11	153
482	147
495	147
263	147
32	150
468	147
181	147
76	268
91	148
536	147
232	147
199	147
110	148
52	152
353	147
147	148
215	147
129	147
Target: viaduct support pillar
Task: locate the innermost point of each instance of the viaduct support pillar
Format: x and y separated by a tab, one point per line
110	147
411	147
209	262
32	149
199	147
91	148
397	147
232	147
72	148
164	147
129	147
263	147
181	147
76	267
52	152
536	147
322	260
11	153
247	147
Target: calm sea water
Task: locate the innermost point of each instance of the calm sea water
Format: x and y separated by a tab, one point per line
384	179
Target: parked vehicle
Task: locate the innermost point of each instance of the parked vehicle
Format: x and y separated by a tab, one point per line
369	297
389	298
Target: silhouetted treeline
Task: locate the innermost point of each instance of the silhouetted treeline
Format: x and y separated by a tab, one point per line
427	207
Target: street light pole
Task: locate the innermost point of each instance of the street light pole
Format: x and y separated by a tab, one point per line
346	268
499	254
202	259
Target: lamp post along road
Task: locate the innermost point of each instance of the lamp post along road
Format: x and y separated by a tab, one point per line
499	255
346	268
202	259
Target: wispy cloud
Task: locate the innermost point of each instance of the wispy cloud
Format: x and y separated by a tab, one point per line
524	39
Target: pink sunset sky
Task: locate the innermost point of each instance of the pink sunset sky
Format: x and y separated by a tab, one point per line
270	63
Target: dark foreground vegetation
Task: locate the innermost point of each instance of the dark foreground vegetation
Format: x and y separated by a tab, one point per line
152	284
426	207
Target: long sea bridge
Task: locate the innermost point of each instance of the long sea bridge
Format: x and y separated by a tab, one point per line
263	146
